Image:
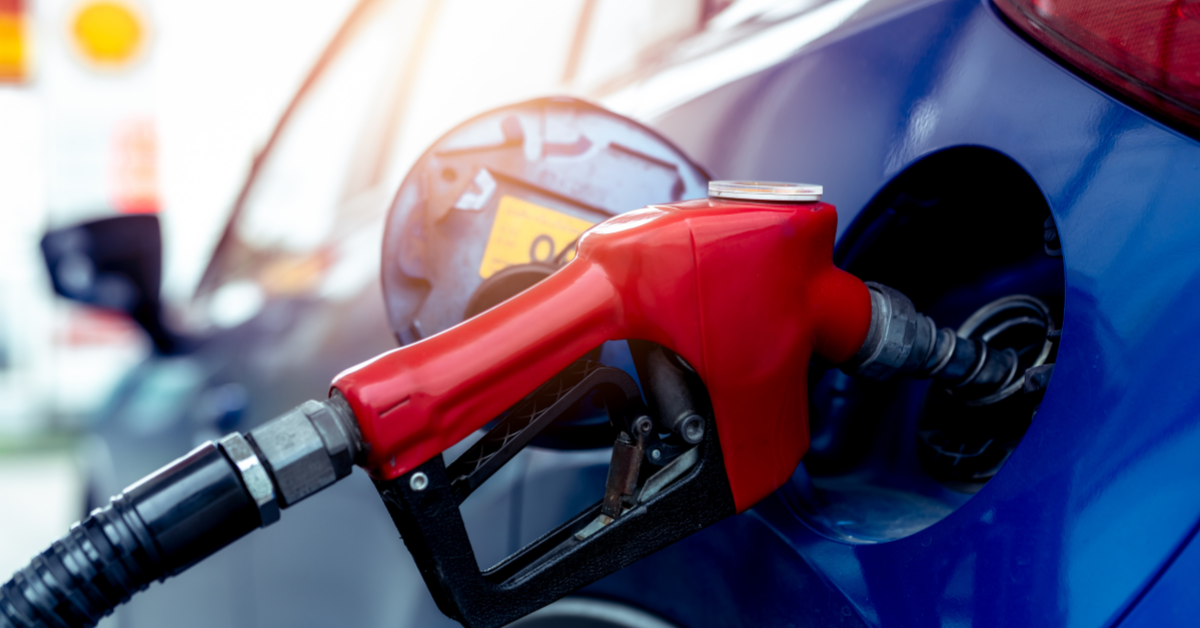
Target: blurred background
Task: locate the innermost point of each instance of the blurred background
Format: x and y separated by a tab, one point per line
267	137
108	108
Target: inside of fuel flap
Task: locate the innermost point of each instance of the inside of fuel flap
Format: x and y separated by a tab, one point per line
967	235
496	205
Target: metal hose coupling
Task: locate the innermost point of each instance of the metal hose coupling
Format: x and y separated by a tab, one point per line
181	514
902	341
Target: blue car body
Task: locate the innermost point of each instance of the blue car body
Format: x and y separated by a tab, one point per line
1092	519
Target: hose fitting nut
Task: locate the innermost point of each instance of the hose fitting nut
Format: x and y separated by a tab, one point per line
308	448
296	456
254	476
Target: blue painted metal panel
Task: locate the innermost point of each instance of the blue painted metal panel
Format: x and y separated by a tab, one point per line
1102	491
1172	600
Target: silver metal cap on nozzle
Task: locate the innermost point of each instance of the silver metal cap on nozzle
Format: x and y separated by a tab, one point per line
765	191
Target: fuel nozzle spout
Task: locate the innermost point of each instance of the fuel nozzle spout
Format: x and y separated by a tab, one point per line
902	341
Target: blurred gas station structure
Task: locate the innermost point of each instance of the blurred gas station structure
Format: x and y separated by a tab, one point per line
111	107
123	107
108	108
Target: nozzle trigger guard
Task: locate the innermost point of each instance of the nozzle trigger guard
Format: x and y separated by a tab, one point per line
690	493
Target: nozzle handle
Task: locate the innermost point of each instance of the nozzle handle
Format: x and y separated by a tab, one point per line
745	292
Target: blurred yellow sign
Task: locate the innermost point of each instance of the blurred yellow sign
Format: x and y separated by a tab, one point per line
107	33
524	232
13	45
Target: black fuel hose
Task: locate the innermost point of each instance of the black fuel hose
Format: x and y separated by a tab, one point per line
181	514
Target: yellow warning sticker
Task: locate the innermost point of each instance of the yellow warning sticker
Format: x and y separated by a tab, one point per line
524	232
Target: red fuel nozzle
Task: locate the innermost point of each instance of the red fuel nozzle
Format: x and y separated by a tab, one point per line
744	291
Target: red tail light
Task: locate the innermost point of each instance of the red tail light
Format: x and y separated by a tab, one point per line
1148	50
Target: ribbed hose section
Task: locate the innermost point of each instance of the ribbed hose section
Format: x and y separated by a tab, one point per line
181	514
82	577
156	528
